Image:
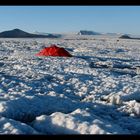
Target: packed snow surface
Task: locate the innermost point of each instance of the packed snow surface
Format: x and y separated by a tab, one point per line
97	91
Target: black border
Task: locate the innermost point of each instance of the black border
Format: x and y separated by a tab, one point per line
72	137
70	2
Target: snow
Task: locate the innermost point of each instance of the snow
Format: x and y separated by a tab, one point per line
9	126
76	122
95	92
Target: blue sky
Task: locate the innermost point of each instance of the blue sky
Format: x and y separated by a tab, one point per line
51	19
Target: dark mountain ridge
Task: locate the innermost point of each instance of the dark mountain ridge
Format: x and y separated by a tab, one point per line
17	33
125	36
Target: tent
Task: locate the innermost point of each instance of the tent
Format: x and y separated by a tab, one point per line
54	50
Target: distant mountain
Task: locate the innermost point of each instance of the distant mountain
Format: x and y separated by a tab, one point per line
17	33
43	33
40	33
113	34
85	32
125	36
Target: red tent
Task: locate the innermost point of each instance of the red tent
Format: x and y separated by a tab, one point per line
53	50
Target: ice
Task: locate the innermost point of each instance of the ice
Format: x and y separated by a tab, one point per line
56	95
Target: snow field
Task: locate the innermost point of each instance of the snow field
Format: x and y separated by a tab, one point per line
54	95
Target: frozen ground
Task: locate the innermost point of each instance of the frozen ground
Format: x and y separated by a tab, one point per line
95	92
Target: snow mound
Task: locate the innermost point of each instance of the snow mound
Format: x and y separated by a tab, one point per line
9	126
27	108
77	122
132	107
